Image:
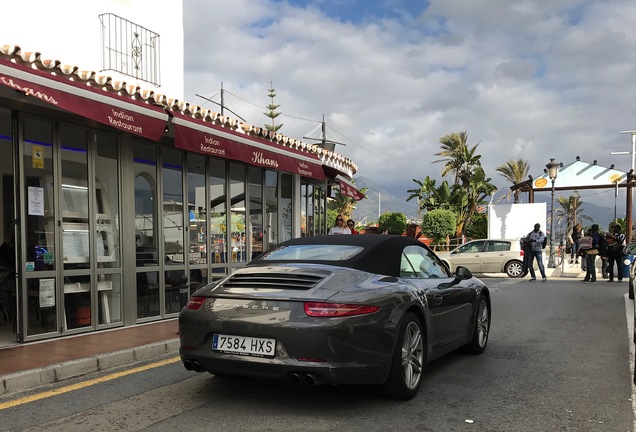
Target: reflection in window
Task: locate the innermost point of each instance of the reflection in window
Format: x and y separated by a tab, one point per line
173	238
271	208
145	169
256	210
237	221
218	215
285	206
107	200
74	199
197	210
38	183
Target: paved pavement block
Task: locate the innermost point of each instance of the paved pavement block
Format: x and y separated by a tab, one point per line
75	368
114	359
173	345
150	351
28	379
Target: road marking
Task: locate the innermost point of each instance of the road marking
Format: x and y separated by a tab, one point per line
84	384
629	311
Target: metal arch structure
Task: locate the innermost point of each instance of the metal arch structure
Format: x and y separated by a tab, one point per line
580	175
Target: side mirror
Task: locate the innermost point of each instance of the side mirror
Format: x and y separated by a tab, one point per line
463	273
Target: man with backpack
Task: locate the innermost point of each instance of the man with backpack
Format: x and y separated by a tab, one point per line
590	256
537	241
615	254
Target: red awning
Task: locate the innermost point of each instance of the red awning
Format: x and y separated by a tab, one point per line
201	137
348	189
119	112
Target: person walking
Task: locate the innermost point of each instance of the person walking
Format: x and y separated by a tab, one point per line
577	233
351	224
537	242
615	254
339	227
590	255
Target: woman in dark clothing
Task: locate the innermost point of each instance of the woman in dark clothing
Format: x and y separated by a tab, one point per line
590	256
576	236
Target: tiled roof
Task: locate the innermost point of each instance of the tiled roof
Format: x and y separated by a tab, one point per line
122	88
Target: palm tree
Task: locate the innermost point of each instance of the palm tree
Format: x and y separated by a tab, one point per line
570	213
453	145
515	172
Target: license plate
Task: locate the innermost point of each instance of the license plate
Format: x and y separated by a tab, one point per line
242	345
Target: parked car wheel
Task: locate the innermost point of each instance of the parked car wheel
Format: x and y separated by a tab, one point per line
631	289
408	362
514	269
481	329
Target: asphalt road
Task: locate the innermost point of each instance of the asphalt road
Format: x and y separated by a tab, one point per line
557	360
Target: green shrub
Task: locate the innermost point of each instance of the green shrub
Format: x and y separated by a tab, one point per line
439	225
393	223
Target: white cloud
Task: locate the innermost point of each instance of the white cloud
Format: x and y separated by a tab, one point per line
526	80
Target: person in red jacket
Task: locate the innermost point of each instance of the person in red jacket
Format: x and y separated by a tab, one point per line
351	224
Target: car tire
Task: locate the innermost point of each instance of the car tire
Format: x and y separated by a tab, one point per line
409	360
514	269
481	328
630	290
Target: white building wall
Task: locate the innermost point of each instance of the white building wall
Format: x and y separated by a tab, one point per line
513	221
70	31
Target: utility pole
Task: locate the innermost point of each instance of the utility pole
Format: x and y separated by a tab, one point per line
222	104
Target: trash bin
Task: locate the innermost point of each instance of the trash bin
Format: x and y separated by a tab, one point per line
627	263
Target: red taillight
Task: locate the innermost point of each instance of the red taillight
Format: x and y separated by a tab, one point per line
520	253
337	309
195	303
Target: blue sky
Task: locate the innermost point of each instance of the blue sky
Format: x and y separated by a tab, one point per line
526	79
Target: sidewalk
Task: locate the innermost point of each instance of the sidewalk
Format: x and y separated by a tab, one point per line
34	364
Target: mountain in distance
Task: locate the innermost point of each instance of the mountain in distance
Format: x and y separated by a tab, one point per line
379	201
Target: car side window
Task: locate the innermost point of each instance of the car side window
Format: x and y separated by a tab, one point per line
425	262
498	246
472	247
406	268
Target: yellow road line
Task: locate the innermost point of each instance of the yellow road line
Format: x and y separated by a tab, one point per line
84	384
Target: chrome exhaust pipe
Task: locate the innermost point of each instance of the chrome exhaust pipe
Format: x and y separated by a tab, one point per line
193	365
312	379
197	367
295	378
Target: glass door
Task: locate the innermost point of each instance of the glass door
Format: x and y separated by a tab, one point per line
40	294
75	246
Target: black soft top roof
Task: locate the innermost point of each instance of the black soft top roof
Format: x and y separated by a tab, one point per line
381	254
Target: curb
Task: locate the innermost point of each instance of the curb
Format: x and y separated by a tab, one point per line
30	379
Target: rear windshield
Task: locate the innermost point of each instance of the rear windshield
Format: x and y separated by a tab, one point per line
312	253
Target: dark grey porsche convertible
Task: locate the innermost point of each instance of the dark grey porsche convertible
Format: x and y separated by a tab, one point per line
340	309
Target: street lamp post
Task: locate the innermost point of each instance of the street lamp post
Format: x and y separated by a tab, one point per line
552	170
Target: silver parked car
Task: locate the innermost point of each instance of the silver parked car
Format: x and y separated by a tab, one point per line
487	256
348	309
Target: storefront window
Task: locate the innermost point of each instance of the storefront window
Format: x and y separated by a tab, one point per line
76	226
39	245
237	215
173	239
107	201
218	215
286	208
256	210
197	246
145	170
271	208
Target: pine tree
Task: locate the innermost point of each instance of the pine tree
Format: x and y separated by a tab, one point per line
272	114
